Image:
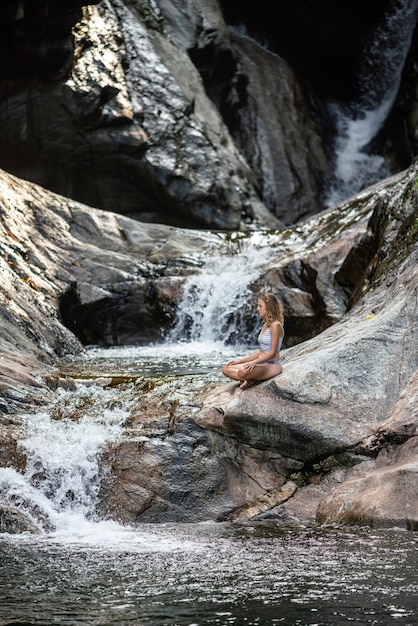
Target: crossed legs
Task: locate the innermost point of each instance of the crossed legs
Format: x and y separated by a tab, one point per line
248	379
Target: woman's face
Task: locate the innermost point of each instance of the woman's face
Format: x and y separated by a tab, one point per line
261	309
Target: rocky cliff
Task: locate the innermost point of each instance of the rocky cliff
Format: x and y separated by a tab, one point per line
179	117
308	444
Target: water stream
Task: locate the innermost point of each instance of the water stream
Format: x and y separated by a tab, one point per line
217	300
88	571
358	123
212	574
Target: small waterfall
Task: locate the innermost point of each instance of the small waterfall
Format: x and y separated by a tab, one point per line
218	304
358	124
62	446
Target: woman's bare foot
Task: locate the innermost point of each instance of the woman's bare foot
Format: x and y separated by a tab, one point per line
247	383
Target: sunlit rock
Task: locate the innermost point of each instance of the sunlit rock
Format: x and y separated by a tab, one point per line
347	393
383	496
319	424
131	130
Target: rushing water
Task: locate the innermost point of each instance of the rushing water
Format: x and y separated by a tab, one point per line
88	571
357	165
217	300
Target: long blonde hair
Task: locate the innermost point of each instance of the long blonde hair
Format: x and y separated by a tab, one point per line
273	306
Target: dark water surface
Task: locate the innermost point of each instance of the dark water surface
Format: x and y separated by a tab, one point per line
101	573
211	574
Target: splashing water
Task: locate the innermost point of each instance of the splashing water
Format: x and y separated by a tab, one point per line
218	302
356	166
62	447
356	169
60	486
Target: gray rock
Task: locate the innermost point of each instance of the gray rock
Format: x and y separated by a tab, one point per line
14	522
318	426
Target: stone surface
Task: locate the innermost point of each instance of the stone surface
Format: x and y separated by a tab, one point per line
383	497
15	522
278	134
322	427
161	113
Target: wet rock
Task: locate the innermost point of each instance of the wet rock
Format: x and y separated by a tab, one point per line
10	455
112	280
278	133
184	482
266	502
156	127
14	522
339	391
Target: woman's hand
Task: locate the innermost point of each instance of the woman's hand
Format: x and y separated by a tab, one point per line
234	362
250	365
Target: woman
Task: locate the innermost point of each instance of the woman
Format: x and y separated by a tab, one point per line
265	363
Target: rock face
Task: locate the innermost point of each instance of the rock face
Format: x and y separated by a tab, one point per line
131	92
340	402
162	117
163	114
36	41
325	42
300	447
382	497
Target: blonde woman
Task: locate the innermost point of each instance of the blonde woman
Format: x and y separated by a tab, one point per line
265	363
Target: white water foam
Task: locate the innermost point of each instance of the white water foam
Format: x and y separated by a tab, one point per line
58	490
217	300
357	166
61	481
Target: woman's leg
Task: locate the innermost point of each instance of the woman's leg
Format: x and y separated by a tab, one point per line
263	372
233	371
247	379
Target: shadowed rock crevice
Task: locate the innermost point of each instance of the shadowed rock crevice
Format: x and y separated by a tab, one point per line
312	316
129	315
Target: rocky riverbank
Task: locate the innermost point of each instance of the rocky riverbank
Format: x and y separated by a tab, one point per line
331	439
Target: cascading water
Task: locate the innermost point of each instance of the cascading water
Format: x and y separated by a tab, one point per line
218	300
359	122
62	444
58	490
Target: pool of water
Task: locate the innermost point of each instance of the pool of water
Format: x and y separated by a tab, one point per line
176	359
92	572
178	575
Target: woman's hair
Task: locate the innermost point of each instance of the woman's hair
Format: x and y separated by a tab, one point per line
273	306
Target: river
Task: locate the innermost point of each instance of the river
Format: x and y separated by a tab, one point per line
89	571
175	575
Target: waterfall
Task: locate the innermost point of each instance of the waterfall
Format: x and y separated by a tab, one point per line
358	124
218	304
62	446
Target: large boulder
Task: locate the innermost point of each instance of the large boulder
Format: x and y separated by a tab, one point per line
383	496
345	396
131	130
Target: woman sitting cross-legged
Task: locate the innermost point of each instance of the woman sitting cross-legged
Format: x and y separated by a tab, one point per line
265	363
